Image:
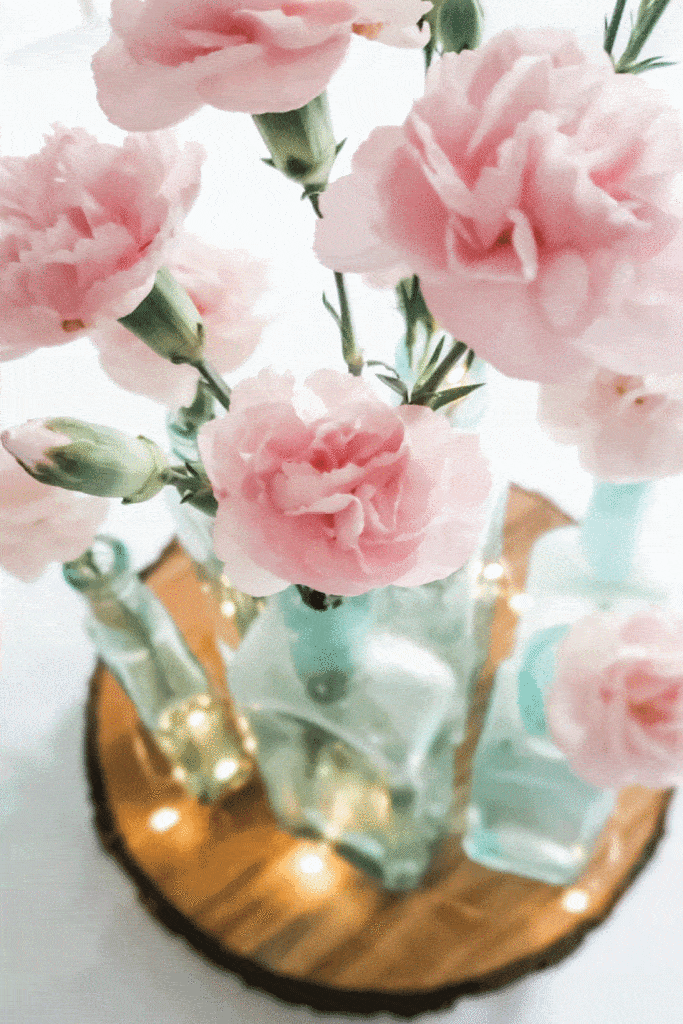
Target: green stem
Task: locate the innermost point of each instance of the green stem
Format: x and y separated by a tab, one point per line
353	357
613	27
193	485
214	381
189	418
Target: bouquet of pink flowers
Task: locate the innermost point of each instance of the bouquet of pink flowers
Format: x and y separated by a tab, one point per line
524	212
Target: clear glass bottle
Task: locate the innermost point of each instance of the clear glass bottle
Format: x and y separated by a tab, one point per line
194	528
528	813
139	642
356	712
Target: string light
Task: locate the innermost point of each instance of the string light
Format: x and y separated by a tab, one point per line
225	769
493	571
520	603
198	721
575	900
164	818
310	864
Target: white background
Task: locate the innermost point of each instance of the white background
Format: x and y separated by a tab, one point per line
76	946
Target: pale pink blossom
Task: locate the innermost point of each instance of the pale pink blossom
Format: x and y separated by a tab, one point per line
41	524
167	58
331	488
85	226
531	190
615	706
394	22
625	428
224	285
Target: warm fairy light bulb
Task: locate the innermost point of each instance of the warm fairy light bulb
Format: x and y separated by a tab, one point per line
520	603
493	571
225	769
228	608
576	900
312	869
164	818
310	864
198	721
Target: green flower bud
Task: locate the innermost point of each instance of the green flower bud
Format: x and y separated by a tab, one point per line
457	24
86	457
168	321
301	142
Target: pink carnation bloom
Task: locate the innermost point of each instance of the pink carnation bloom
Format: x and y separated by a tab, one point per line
166	58
224	286
333	489
615	707
41	524
531	191
85	228
625	428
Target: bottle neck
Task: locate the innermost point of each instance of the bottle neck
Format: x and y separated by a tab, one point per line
325	645
610	531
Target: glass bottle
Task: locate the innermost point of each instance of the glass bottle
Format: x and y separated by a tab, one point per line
194	528
139	642
356	712
528	813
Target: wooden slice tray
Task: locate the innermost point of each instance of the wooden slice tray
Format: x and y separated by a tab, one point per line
242	892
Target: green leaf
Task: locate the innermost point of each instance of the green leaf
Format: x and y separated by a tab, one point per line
396	384
378	362
469	359
649	65
434	358
332	311
267	160
452	395
438	375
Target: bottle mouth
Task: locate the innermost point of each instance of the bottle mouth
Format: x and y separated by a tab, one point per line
102	563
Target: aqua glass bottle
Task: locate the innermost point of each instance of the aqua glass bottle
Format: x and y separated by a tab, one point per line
356	712
140	644
529	814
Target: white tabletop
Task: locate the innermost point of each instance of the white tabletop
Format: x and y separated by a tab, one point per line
77	947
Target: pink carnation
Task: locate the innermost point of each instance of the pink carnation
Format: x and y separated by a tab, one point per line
166	58
615	707
41	524
531	191
85	228
224	286
333	489
625	428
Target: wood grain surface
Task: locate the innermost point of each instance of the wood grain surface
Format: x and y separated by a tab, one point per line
240	889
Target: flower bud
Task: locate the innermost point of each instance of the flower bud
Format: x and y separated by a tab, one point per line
301	142
86	457
457	24
168	321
